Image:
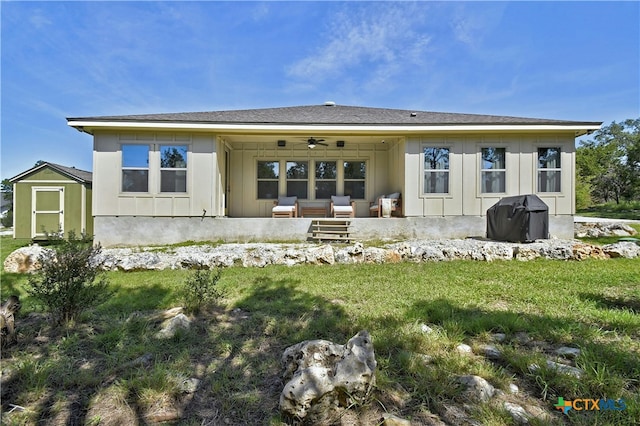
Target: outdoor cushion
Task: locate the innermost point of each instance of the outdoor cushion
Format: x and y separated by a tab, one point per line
283	209
344	200
394	195
287	201
342	209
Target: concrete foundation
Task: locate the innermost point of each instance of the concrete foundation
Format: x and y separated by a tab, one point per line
113	231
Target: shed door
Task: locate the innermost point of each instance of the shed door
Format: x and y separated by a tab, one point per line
48	210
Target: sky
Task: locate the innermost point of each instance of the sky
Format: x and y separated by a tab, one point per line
557	60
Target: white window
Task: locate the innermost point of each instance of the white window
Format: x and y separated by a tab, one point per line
436	170
549	171
135	168
297	179
354	179
268	175
493	170
173	168
325	182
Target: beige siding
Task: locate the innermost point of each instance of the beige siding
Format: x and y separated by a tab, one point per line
245	156
465	195
202	177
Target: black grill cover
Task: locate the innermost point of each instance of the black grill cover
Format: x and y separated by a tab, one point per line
519	219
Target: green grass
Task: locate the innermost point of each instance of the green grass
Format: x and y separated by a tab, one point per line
592	305
624	210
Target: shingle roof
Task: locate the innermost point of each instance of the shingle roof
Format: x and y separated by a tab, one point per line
330	115
81	176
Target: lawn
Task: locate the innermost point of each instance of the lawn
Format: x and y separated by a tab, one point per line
623	210
88	374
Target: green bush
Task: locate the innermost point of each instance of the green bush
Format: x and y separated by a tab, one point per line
200	289
70	279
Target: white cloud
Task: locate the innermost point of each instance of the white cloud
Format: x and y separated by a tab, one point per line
377	38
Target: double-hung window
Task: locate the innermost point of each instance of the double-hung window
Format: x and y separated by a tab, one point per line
493	170
173	168
135	168
549	171
325	183
354	179
297	179
436	170
268	176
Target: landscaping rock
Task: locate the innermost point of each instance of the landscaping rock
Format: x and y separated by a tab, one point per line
261	255
321	375
560	368
491	352
518	414
568	352
627	249
603	229
393	420
24	259
477	388
171	326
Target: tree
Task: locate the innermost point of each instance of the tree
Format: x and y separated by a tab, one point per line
7	195
70	279
610	163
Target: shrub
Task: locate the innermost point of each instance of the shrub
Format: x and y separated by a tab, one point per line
200	289
70	279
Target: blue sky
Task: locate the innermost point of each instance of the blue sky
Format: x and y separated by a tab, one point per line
562	60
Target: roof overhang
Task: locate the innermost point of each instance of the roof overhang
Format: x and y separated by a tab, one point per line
89	126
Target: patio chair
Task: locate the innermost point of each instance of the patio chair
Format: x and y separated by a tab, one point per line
386	205
285	207
342	206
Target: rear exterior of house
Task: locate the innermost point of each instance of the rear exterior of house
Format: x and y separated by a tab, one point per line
168	178
50	198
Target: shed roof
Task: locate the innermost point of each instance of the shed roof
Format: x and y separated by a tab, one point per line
81	176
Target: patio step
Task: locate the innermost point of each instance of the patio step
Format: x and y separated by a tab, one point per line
330	230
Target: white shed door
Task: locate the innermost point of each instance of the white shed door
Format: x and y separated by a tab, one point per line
48	210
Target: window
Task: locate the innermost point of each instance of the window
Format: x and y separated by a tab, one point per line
549	170
493	171
325	179
173	168
268	174
135	168
436	170
354	178
297	179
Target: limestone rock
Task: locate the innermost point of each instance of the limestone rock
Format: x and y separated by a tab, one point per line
24	259
393	420
627	249
518	414
171	326
322	375
477	388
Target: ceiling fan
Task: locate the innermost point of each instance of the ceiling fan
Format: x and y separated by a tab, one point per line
313	142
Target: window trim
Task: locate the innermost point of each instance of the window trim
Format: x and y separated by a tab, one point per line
363	180
277	179
484	170
538	169
424	171
287	180
316	179
123	168
173	169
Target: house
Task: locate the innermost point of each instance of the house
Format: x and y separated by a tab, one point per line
49	198
166	178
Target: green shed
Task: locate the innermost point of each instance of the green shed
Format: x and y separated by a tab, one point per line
49	198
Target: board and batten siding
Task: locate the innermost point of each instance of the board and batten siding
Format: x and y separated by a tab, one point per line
204	190
465	197
383	173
